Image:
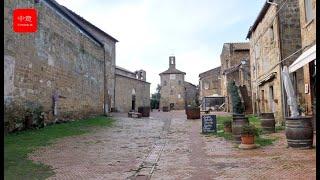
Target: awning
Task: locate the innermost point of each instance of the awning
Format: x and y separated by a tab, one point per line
306	57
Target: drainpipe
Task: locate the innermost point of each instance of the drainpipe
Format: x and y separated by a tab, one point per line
104	81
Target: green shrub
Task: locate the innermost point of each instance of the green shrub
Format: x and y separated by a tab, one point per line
249	130
227	123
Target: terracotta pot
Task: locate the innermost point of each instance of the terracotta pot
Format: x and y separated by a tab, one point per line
227	129
247	139
193	112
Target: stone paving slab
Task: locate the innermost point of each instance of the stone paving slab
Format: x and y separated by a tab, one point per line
119	151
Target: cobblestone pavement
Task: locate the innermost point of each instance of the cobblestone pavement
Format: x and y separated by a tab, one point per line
178	150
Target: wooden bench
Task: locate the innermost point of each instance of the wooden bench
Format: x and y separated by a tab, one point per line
205	111
134	114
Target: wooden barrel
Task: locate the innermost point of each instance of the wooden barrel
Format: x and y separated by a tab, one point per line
237	123
193	113
299	132
144	110
267	122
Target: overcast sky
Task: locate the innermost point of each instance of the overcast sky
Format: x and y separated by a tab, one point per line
149	31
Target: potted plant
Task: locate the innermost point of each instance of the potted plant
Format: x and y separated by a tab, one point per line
248	133
227	126
193	111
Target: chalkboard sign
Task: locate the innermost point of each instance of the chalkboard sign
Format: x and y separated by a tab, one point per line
209	123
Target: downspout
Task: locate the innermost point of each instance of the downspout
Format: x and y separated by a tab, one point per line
104	81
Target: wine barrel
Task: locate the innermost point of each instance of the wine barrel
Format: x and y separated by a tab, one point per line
267	122
237	123
193	112
299	132
144	110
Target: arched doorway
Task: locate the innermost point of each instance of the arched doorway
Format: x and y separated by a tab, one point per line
133	101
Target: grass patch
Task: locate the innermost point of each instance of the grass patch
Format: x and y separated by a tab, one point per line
280	128
18	145
261	140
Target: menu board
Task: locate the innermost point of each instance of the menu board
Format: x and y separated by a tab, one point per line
209	123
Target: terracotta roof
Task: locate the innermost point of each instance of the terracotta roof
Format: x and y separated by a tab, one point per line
123	69
259	18
189	83
173	71
241	46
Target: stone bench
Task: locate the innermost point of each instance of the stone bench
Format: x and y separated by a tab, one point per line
134	114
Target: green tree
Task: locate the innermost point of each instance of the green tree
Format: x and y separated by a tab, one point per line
237	105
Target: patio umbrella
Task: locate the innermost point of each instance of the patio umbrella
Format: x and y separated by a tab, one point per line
292	102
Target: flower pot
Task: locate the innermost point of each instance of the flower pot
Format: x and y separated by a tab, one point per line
247	139
193	112
165	109
227	129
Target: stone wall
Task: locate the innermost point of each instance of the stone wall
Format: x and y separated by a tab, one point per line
172	91
57	58
191	93
210	83
125	88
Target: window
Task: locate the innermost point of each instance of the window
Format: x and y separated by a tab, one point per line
172	76
179	82
308	10
206	85
165	83
271	34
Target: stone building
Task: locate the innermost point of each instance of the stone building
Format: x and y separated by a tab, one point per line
132	90
191	93
275	40
61	59
172	86
235	61
67	66
306	60
210	83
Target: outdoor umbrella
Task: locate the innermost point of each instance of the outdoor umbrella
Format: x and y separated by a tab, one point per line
292	102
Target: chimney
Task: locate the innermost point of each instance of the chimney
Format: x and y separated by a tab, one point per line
172	62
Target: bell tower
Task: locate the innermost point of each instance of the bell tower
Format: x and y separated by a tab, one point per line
172	62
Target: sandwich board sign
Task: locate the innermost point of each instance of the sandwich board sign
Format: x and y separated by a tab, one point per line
209	123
